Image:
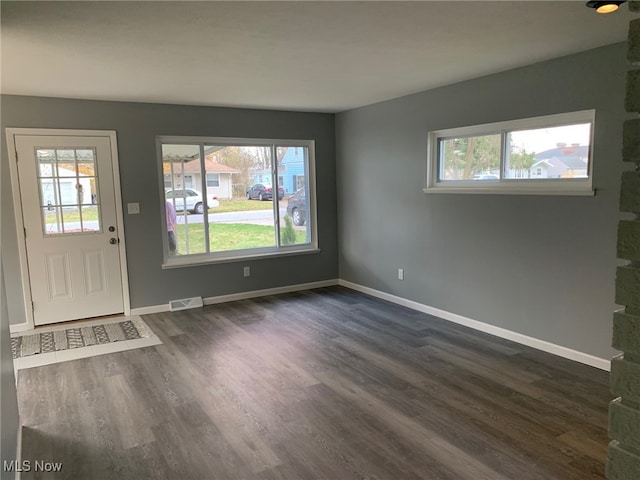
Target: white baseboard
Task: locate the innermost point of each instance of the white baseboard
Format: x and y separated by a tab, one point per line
587	359
150	309
242	296
270	291
20	327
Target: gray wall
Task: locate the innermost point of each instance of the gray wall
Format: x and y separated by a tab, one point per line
137	125
542	266
8	396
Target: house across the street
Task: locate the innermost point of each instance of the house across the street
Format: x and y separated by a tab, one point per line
562	162
290	168
187	173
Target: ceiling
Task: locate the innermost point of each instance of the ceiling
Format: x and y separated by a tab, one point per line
326	56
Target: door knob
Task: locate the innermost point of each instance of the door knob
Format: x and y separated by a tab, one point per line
113	241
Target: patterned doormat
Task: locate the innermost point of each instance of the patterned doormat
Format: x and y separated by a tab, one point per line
78	337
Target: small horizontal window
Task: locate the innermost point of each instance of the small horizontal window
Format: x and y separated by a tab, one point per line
542	155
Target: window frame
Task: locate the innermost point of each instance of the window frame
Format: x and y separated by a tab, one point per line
195	259
510	186
216	181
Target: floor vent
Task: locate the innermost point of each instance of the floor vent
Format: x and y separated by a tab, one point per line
185	303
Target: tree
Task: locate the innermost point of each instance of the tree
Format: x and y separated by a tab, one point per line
465	157
288	233
243	159
520	159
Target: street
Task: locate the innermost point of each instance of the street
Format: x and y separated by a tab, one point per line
258	217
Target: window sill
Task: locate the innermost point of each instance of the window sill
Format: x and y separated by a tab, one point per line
493	190
197	260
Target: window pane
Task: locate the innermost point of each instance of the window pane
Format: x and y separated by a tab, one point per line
181	165
48	192
89	196
52	217
68	191
66	163
71	220
554	152
90	219
46	161
294	209
190	236
469	158
86	169
185	220
241	214
45	154
86	155
213	179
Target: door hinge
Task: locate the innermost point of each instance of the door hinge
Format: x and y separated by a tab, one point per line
16	156
25	232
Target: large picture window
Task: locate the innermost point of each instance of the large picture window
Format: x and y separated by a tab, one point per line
542	155
227	199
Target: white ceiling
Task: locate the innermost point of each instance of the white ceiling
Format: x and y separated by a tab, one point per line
313	56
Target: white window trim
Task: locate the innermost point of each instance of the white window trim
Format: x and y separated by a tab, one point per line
247	254
518	186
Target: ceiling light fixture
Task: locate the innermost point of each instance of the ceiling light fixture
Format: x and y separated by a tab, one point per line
605	6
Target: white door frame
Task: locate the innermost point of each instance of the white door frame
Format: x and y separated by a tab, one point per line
17	208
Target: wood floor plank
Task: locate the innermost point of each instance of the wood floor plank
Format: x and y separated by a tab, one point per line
126	405
320	384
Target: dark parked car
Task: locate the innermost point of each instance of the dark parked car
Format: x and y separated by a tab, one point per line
262	191
297	207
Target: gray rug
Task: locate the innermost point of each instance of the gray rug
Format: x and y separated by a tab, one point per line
47	342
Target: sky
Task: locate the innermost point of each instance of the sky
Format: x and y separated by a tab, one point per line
542	139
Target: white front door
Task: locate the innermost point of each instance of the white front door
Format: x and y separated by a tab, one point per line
69	213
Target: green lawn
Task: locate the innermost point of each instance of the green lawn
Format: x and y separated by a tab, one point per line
229	236
241	205
89	213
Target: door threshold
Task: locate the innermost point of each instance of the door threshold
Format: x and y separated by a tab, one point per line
77	321
81	322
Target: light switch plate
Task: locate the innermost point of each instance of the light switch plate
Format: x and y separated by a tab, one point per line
133	208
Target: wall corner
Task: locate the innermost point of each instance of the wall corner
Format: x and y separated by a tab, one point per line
623	459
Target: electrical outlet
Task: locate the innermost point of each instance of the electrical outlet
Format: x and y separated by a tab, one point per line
247	271
401	274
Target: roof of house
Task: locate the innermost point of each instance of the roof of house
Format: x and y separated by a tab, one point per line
210	167
570	163
566	151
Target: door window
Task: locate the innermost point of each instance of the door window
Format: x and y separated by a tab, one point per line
67	179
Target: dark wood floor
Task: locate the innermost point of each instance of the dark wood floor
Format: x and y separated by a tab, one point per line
325	384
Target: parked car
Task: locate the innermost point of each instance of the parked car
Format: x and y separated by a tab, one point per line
263	191
297	207
486	176
189	200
